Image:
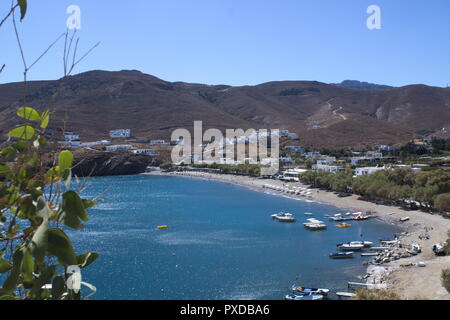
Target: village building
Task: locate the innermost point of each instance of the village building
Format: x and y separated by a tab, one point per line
125	147
120	133
147	152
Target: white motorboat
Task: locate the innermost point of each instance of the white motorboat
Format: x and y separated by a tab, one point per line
299	297
284	217
366	244
299	289
351	247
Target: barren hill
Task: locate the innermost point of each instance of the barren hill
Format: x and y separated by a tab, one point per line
324	115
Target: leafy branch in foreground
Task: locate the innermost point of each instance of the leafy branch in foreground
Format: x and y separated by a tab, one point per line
36	205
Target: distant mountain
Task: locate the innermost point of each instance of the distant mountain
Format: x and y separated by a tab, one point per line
325	116
354	84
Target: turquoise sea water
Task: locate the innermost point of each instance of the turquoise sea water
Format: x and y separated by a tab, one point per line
221	242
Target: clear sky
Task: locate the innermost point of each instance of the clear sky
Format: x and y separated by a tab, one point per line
242	42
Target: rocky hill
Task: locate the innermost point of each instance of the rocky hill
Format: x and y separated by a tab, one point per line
324	115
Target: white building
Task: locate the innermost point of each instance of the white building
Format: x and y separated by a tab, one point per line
286	160
284	133
327	168
293	175
125	147
386	148
370	156
313	155
294	149
367	171
327	161
120	133
70	136
293	136
147	152
159	143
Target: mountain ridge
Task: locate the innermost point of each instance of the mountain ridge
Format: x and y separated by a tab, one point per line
325	115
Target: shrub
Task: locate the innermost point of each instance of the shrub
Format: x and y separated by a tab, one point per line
446	279
370	294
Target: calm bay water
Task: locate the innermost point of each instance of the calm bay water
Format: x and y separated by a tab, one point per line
221	242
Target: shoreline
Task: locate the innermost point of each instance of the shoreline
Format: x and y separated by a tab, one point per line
409	283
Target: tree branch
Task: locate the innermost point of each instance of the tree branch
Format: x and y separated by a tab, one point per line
9	14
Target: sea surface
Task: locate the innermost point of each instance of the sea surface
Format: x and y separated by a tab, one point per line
221	242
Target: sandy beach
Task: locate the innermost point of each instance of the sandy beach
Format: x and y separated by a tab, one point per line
409	283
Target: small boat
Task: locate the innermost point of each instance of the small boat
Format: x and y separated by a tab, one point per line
299	297
361	218
308	214
351	247
315	226
366	244
343	225
313	291
162	227
341	255
284	217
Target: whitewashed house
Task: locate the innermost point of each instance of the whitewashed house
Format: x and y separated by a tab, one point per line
295	149
327	168
120	133
125	147
313	155
70	136
367	171
146	152
286	160
284	133
159	143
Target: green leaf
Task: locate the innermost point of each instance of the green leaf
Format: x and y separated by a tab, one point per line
40	240
27	268
65	160
5	266
4	170
45	119
44	278
29	114
9	153
23	8
22	132
58	287
73	210
87	259
11	282
88	203
60	246
42	208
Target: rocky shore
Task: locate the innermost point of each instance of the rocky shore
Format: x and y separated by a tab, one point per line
92	163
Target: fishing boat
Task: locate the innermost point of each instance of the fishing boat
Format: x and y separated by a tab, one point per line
341	255
284	217
315	226
313	291
351	247
299	297
343	225
366	244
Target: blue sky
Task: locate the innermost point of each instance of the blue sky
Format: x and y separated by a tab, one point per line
242	42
